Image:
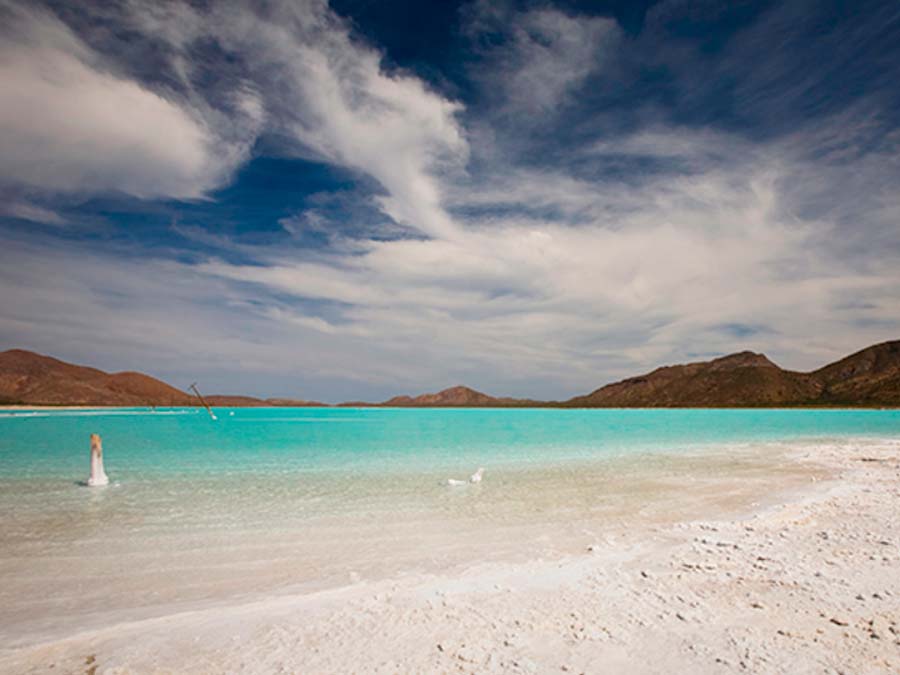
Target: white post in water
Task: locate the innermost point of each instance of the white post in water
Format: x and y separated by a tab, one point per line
98	475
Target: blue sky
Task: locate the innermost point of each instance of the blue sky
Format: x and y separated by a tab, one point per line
359	199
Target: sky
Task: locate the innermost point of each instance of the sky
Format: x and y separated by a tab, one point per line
356	199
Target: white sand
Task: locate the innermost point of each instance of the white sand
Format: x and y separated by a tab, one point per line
809	585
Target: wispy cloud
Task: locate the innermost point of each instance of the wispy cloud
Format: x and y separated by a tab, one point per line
542	57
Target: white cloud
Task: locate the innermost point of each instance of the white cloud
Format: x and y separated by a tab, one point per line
390	127
70	124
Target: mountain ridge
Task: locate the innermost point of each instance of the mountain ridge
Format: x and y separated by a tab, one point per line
28	378
457	396
869	377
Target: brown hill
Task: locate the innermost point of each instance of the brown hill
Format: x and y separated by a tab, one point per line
869	377
454	397
34	379
294	403
743	379
236	401
26	377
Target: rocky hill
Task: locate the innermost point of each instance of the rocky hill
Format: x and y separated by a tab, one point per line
237	401
743	379
870	377
34	379
26	377
453	397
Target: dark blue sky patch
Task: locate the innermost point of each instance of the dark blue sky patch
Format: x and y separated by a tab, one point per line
708	26
422	37
264	191
742	330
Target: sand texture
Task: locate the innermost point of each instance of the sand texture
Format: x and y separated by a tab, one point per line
809	585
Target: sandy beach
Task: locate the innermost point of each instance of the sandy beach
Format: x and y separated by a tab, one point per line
807	583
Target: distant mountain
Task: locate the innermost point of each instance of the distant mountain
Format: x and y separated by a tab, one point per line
294	403
26	377
235	401
454	397
870	377
33	379
743	379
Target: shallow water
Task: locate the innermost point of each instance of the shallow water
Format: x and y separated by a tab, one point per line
276	500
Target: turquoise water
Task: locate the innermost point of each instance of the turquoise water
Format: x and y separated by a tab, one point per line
174	442
267	501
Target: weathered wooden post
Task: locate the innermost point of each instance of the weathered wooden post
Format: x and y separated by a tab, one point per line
98	475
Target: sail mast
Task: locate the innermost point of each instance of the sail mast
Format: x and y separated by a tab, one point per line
202	400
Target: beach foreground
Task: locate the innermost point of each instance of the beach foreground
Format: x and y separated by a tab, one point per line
810	584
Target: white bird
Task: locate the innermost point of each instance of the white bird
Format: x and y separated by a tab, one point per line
474	478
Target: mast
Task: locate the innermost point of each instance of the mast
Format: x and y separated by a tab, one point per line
193	387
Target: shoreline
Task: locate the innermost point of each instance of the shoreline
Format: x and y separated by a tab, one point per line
340	406
808	582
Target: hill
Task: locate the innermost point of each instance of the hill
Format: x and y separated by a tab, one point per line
34	379
870	377
237	401
743	379
29	378
448	398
